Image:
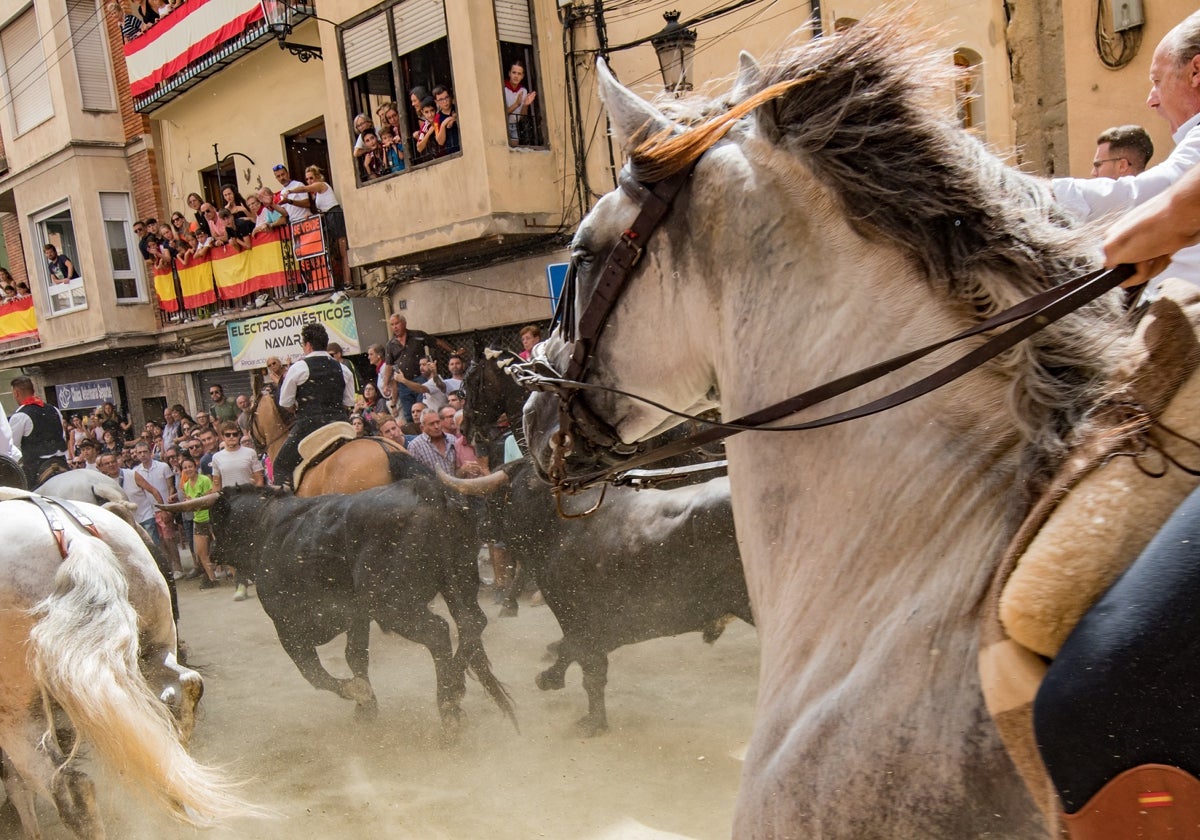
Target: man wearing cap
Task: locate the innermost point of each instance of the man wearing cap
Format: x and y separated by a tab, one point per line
298	207
319	389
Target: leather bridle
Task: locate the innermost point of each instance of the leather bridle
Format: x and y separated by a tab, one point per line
579	425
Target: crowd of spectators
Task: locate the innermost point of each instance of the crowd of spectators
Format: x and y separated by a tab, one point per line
137	16
11	289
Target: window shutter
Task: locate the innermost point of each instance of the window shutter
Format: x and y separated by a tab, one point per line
512	21
91	56
114	206
26	86
366	46
418	22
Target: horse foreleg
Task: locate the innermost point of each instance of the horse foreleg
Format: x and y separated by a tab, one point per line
358	655
309	664
22	798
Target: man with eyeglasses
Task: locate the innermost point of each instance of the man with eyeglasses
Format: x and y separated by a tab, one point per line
221	408
1122	150
1174	95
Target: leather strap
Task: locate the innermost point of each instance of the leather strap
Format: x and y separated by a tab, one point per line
50	507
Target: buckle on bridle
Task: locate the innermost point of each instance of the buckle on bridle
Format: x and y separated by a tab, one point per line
628	238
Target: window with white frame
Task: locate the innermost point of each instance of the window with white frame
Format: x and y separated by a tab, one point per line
400	47
26	86
118	235
54	233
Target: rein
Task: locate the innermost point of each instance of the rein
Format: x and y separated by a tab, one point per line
1029	317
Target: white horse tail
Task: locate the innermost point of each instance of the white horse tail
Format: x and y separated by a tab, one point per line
84	655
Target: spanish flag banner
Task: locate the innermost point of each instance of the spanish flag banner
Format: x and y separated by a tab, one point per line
17	319
164	287
239	273
196	281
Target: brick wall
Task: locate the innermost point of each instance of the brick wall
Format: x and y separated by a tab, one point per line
11	225
143	165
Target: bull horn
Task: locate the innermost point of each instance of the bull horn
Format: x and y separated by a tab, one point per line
198	503
485	485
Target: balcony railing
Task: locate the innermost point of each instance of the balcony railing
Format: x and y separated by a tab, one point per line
287	263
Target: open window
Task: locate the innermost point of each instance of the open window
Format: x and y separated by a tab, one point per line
514	29
60	273
118	236
387	55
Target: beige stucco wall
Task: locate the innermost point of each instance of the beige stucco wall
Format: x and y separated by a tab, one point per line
79	179
491	189
1098	97
245	108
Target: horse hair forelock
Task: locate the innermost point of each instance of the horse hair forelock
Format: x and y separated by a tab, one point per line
865	111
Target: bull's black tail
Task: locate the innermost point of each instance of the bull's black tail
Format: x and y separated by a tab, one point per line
470	650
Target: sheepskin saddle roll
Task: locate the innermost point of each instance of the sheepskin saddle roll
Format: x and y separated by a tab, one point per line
1118	487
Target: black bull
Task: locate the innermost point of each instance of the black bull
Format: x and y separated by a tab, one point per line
647	564
330	564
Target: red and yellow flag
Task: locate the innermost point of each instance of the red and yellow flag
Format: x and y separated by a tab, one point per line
17	319
164	287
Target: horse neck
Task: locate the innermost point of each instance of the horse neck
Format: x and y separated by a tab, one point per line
270	423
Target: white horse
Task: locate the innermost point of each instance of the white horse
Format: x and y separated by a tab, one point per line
837	217
92	634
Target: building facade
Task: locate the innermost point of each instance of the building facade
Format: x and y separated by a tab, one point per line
464	240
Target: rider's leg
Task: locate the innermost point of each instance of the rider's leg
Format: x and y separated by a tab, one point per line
1123	692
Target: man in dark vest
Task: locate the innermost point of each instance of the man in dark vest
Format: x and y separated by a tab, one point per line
319	389
37	431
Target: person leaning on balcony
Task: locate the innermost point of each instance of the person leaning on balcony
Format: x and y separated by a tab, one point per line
298	210
268	216
131	24
146	10
195	202
238	229
330	210
361	123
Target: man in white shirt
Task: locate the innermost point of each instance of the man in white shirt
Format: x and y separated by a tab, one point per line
1175	95
318	389
298	208
235	464
157	485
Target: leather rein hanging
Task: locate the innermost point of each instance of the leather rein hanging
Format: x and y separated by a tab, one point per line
1030	316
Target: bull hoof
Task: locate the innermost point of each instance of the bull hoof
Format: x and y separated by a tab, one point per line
358	690
508	611
586	727
366	712
452	723
549	681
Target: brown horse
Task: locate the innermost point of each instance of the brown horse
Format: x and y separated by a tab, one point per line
357	465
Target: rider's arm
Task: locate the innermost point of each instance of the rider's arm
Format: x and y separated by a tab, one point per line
1150	234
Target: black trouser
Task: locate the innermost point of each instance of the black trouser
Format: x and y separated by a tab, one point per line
1125	688
33	467
288	459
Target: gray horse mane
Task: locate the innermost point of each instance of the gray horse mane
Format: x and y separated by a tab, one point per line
865	112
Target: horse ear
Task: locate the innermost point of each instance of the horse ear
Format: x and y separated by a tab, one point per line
631	116
748	76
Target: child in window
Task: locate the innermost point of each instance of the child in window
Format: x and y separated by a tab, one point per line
375	160
425	135
393	149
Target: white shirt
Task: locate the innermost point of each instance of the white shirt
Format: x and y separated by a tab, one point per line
236	467
295	214
297	375
1089	199
159	476
7	445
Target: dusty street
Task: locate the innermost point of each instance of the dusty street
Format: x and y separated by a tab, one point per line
680	714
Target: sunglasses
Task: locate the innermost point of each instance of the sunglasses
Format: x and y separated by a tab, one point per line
233	434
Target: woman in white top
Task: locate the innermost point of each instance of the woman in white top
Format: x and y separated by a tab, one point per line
325	203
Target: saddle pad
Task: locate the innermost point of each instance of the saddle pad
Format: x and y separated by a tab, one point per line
314	443
1010	672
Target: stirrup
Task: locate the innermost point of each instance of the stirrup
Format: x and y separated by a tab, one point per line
1149	802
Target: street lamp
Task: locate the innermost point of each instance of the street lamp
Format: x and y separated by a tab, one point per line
675	47
280	17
